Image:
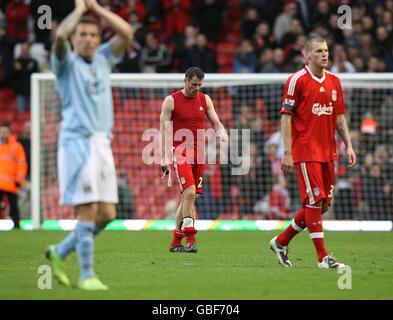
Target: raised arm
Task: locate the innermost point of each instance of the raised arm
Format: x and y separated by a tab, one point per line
67	27
165	117
286	132
123	30
342	129
215	121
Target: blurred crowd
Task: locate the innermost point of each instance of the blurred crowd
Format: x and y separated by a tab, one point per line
242	36
246	36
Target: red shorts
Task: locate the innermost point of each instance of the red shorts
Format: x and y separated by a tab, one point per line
189	173
316	182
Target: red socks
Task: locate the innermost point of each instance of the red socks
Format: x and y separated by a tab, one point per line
190	233
297	225
177	236
313	218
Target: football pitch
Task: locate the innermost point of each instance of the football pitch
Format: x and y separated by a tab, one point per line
233	265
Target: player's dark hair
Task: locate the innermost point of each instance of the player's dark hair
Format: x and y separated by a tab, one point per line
195	71
90	20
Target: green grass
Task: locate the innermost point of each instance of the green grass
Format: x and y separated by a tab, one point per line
229	265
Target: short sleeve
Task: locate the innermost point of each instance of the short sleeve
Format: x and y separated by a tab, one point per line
290	96
105	50
58	66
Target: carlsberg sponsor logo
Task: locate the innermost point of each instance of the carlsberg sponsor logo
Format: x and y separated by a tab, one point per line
320	109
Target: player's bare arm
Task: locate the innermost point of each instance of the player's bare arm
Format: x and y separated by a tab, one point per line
286	128
67	27
124	32
165	117
215	121
342	129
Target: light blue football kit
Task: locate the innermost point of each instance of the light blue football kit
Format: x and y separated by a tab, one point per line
85	160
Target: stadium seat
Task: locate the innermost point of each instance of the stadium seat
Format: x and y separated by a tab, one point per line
228	48
7	116
7	99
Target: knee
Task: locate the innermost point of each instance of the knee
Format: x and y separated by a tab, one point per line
87	211
189	193
105	215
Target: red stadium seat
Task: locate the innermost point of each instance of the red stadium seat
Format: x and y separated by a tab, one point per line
7	116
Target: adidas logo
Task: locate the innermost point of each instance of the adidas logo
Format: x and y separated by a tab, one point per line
322	89
201	108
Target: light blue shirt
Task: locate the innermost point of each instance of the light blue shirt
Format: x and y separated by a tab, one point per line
85	91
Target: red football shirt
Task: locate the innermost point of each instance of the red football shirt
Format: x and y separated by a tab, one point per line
188	116
314	104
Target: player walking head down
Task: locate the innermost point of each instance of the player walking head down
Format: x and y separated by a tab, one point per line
313	108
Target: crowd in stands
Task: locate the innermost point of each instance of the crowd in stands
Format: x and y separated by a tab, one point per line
241	36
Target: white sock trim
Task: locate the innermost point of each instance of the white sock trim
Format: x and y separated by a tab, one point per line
295	226
316	235
187	222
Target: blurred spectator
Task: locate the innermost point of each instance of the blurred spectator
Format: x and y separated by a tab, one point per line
243	116
155	57
177	16
279	200
265	57
17	16
2	19
258	136
275	139
387	19
249	23
340	61
376	195
245	59
322	14
344	204
131	59
382	159
209	16
368	24
384	43
263	38
367	46
24	67
282	24
359	64
154	10
295	54
200	55
140	30
385	119
337	33
13	170
125	209
252	186
274	159
289	38
183	44
6	49
374	64
278	64
130	6
267	10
